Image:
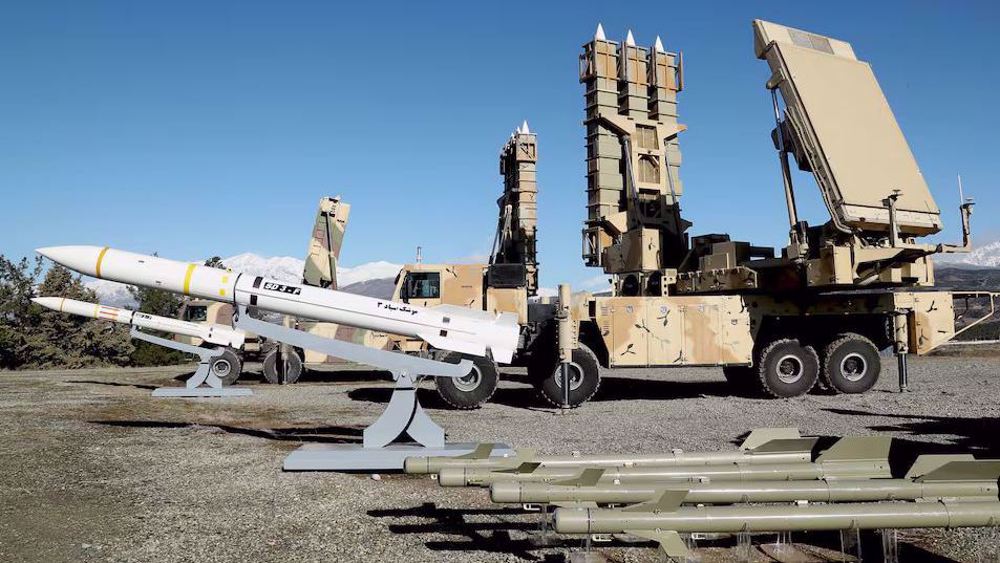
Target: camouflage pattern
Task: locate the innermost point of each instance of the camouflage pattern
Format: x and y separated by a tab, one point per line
631	98
324	246
517	227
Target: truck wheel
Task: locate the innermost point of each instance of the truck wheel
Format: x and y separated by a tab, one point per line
471	391
786	368
584	378
740	378
227	367
850	364
287	371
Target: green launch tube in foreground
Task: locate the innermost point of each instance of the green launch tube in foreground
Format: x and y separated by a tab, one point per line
663	522
762	445
858	457
932	477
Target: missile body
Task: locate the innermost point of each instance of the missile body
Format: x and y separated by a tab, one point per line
729	492
851	457
445	327
212	333
862	469
721	519
775	451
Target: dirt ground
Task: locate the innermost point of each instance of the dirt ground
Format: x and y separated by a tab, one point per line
94	469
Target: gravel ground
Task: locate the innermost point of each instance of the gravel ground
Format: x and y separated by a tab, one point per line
94	469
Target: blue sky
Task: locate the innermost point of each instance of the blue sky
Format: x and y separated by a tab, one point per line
201	128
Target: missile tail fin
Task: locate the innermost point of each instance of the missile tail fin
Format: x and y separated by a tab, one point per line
669	501
760	436
926	464
971	470
587	478
670	542
853	448
482	451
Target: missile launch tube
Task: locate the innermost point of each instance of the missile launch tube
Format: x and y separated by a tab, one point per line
465	477
448	328
727	492
721	519
212	333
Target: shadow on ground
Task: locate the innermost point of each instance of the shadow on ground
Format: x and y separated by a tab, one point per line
494	537
977	435
115	383
317	434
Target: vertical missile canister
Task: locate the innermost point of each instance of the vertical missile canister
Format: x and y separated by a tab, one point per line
519	205
763	445
856	457
967	478
633	184
212	333
320	269
448	328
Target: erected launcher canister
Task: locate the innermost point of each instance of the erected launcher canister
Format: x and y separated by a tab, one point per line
445	327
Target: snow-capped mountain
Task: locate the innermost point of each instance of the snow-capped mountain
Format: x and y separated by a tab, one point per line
984	256
282	268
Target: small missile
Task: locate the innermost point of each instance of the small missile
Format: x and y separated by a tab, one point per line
446	327
219	335
939	476
662	520
854	457
762	445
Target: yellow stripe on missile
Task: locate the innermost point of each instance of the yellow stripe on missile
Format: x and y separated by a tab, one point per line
62	303
100	258
187	278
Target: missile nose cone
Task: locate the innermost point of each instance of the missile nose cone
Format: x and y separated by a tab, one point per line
82	259
48	302
524	128
658	46
452	477
505	492
629	40
599	34
416	465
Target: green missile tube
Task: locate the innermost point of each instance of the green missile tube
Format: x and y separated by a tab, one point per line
663	525
932	477
763	445
859	457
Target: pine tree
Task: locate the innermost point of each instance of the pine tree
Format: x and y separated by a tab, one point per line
164	304
17	280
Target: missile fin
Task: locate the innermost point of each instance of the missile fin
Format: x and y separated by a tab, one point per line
670	542
457	311
760	436
669	501
482	451
974	470
853	448
787	445
926	464
587	478
525	467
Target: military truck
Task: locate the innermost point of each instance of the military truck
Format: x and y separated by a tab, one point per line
817	313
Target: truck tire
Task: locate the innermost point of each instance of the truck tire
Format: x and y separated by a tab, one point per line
740	378
585	378
786	368
227	367
287	372
850	364
472	391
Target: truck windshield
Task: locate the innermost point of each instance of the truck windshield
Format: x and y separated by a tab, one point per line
423	285
196	313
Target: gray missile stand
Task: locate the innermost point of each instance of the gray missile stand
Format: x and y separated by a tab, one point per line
379	449
203	383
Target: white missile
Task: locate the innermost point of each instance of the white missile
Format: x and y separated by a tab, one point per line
446	327
220	335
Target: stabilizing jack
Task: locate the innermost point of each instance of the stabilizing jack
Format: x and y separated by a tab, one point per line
380	448
203	383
